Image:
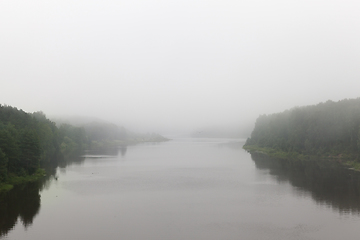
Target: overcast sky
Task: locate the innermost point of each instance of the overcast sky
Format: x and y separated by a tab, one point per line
177	64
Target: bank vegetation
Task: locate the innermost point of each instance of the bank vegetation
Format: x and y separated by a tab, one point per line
329	130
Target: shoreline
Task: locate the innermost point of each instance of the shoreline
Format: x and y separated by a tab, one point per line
346	160
18	180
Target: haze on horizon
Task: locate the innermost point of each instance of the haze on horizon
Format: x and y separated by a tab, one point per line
177	65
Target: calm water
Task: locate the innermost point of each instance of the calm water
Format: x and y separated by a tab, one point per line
185	189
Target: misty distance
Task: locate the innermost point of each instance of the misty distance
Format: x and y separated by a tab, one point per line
179	119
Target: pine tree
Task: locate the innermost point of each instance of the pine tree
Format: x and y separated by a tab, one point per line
3	166
30	151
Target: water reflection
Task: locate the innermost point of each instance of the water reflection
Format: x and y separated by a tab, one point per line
235	144
123	151
22	202
106	152
327	182
103	153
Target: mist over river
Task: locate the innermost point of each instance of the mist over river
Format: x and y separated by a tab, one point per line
195	189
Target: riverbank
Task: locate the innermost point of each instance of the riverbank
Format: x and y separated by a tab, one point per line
95	146
108	144
346	159
17	180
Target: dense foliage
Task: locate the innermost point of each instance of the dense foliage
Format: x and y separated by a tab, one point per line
330	128
28	139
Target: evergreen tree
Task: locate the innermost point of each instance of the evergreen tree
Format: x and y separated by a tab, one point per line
10	147
3	166
30	151
330	128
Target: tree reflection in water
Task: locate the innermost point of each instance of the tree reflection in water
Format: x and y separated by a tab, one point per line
23	201
328	182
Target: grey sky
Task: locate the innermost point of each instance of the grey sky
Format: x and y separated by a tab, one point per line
177	64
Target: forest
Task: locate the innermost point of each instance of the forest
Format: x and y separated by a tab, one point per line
330	129
29	140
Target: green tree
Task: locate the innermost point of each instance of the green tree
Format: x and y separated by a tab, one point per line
9	145
329	128
3	166
30	151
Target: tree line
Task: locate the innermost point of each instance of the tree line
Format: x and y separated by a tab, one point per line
326	129
27	139
30	139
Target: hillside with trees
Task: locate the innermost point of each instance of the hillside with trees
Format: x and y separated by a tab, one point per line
29	140
330	129
102	135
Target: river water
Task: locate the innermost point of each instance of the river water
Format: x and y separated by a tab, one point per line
185	189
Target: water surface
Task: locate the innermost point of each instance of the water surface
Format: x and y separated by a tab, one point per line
185	189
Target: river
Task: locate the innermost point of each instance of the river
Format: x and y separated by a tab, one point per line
195	189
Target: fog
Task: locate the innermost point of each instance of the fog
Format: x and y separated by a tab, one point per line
177	66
